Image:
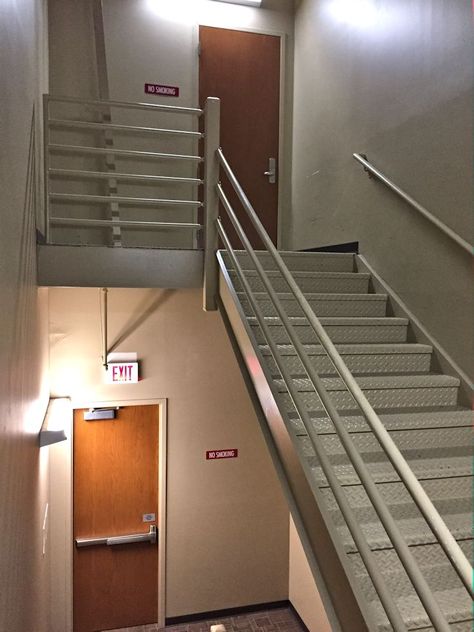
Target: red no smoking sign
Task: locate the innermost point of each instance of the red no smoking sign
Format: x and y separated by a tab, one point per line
222	454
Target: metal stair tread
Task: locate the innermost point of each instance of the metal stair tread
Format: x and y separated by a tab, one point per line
383	472
389	382
416	532
321	296
462	417
306	274
353	349
363	321
454	603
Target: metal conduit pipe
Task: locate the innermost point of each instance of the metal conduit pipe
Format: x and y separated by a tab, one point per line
366	554
445	538
409	563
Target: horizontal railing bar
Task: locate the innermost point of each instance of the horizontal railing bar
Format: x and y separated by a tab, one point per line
421	499
77	173
132	153
127	104
353	525
122	199
122	128
107	223
416	205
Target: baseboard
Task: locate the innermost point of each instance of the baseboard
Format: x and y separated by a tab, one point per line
229	612
350	246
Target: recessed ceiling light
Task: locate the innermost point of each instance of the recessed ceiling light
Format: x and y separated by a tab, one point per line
248	3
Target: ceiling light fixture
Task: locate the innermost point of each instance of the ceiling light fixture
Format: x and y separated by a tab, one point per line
248	3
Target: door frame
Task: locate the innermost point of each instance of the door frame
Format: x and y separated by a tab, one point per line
61	541
284	176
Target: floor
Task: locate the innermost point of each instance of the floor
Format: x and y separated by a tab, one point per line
274	620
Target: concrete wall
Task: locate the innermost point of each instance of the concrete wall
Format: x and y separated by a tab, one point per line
23	331
220	514
392	80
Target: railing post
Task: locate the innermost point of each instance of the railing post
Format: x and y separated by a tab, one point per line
211	201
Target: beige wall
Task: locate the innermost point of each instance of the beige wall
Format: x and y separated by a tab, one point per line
23	331
303	592
397	85
227	523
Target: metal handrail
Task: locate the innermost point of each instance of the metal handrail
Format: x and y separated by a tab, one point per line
430	514
127	104
130	153
104	175
369	167
123	199
124	223
422	500
353	525
115	127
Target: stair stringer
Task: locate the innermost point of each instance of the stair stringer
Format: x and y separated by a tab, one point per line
329	565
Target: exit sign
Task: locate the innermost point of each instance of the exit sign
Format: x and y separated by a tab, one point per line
122	373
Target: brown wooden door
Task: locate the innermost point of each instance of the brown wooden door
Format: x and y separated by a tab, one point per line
243	70
115	486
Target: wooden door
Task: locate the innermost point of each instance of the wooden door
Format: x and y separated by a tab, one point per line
243	70
115	493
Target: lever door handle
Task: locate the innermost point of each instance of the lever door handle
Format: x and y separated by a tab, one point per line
271	173
150	537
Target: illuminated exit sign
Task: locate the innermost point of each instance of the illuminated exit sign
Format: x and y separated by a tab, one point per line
122	373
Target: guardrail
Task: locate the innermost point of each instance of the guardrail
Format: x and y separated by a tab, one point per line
104	150
453	552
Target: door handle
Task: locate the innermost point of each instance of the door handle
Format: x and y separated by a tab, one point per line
150	537
271	173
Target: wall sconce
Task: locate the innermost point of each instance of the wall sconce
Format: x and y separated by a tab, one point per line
58	417
248	3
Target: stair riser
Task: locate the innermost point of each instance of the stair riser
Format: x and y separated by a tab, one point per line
315	285
349	334
359	364
322	308
382	398
300	262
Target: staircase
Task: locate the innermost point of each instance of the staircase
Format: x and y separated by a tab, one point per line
419	407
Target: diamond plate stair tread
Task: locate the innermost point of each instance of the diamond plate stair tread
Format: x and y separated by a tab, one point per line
452	440
389	391
392	421
327	282
354	349
313	261
374	359
383	472
341	330
323	304
454	604
388	382
443	492
414	530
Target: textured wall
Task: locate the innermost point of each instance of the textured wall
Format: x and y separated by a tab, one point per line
23	331
227	521
393	80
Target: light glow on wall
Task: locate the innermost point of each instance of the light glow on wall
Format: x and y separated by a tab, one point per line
359	13
201	11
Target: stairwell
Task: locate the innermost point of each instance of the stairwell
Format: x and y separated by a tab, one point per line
422	410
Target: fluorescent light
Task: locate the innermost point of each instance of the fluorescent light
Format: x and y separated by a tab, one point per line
248	3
